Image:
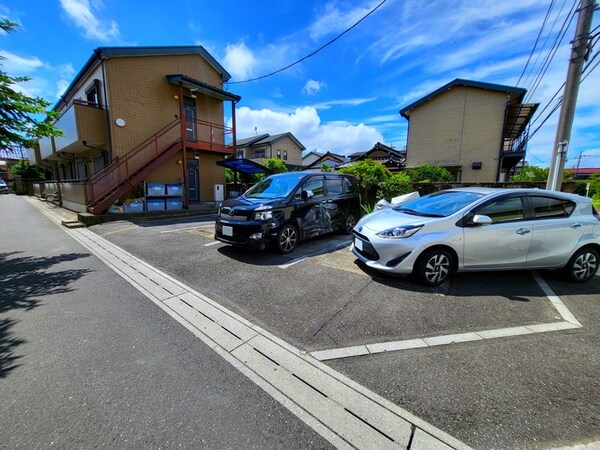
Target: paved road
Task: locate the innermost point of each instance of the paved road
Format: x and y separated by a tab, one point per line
534	391
87	361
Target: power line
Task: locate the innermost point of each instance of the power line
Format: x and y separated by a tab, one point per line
559	103
552	52
537	57
315	52
536	40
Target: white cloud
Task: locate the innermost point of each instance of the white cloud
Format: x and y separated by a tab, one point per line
239	61
333	20
14	64
343	102
305	124
61	87
80	13
312	87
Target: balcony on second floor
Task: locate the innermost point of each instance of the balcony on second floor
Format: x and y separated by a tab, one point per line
83	126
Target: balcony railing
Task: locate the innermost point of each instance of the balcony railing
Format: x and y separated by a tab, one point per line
208	136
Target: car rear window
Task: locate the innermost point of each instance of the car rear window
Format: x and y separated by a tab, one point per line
334	186
349	185
548	207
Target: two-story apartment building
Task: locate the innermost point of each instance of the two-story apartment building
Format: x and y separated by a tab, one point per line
283	146
141	114
478	131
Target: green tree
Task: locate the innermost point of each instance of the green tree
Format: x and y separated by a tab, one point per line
532	173
594	181
18	124
326	168
24	170
398	184
369	174
276	165
429	174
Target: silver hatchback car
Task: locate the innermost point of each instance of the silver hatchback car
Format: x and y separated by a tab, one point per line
478	229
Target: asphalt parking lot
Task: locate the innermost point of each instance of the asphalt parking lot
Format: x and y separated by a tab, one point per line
521	390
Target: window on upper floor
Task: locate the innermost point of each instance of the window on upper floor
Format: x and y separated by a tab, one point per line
285	155
91	95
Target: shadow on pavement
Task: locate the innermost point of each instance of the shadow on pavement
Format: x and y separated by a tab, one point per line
23	280
517	285
270	257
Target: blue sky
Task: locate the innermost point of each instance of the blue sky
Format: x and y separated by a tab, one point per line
346	97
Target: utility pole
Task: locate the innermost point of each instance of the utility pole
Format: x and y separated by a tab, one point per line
581	155
579	49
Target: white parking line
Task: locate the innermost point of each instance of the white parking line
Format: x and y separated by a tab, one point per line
189	228
294	261
212	243
304	258
569	322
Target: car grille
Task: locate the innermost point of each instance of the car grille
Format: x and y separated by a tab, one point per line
234	218
230	214
368	250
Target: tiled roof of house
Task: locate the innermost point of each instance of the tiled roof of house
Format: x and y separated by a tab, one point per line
267	139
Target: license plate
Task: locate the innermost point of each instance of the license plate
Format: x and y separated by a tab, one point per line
358	244
227	231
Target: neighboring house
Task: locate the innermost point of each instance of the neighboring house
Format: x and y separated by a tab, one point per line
283	146
391	158
331	160
478	131
310	158
8	157
583	173
141	114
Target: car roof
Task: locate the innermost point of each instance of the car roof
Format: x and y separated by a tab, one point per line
492	191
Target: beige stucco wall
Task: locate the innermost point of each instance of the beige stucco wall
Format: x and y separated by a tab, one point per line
139	93
209	173
294	152
284	144
460	126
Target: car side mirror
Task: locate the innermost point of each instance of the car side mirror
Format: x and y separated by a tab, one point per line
306	195
481	219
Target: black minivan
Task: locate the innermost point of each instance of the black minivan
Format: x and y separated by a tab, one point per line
286	208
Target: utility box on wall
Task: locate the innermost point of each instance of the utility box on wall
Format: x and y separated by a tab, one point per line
219	194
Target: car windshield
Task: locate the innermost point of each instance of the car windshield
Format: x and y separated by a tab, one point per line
439	204
274	186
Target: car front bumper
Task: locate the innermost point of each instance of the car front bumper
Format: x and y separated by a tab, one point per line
255	235
386	255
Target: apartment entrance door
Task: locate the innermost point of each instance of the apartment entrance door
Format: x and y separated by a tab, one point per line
193	190
189	112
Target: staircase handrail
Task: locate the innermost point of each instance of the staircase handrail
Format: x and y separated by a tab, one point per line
102	182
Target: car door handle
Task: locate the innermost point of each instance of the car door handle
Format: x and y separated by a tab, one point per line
523	231
576	225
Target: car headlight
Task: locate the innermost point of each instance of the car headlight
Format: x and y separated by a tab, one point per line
263	215
399	232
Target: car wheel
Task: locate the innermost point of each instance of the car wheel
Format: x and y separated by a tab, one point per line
433	267
287	238
349	223
582	266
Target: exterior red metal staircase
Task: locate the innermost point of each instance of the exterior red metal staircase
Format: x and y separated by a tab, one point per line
126	172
